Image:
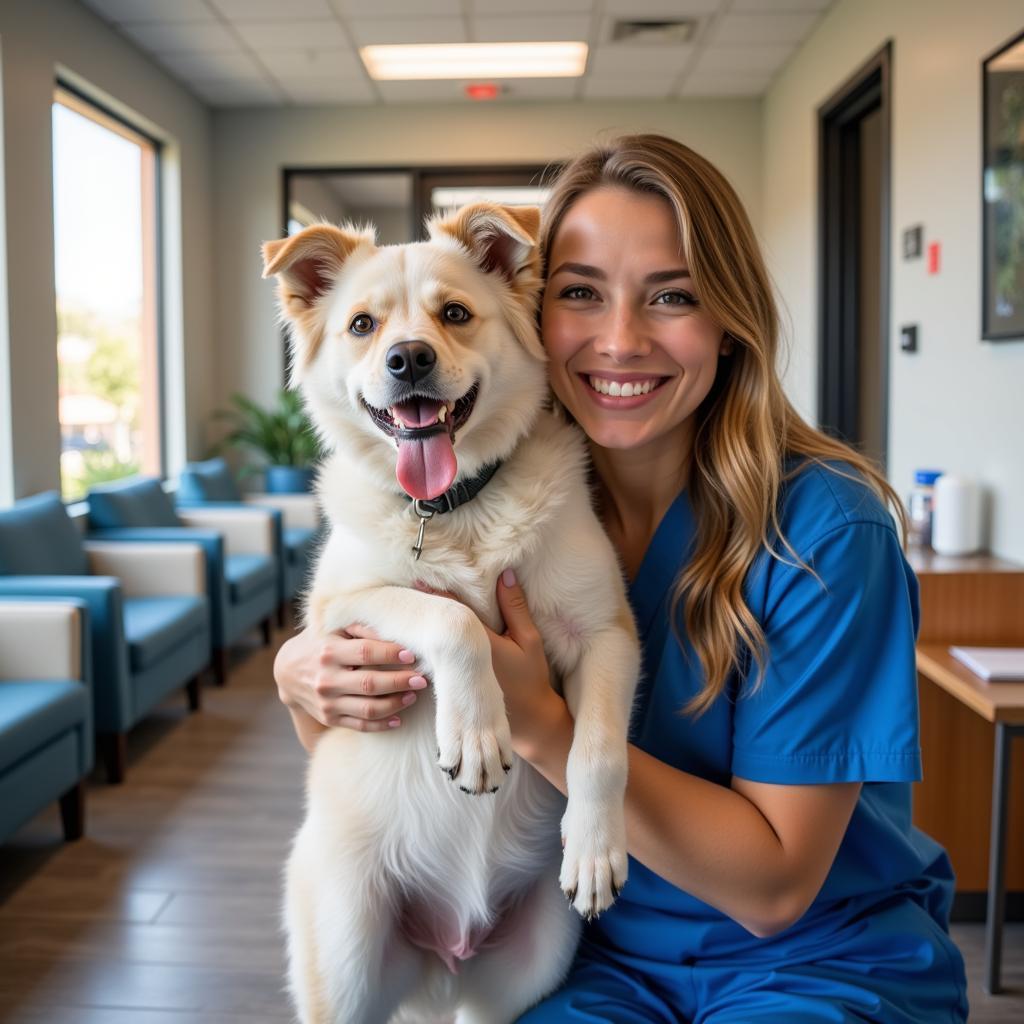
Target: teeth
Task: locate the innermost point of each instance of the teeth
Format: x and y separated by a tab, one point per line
628	390
441	413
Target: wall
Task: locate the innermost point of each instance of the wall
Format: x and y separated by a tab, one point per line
251	147
35	39
955	404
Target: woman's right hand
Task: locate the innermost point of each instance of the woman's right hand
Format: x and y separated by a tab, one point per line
351	678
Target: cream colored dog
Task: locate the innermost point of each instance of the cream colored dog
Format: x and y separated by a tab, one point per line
406	898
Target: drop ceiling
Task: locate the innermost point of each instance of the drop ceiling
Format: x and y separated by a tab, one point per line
280	53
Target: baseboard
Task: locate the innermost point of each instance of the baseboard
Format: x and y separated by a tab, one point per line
969	907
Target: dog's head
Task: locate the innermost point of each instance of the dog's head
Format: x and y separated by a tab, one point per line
421	358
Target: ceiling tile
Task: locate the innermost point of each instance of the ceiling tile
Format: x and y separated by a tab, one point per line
229	66
537	89
443	91
621	60
743	59
780	5
639	10
191	36
151	10
398	8
763	28
626	88
290	35
323	91
226	93
273	10
328	63
724	85
511	30
485	8
408	30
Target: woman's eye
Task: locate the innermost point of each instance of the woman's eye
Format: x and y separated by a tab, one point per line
456	313
675	299
577	291
362	323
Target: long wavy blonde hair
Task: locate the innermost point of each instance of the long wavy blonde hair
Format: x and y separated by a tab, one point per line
746	429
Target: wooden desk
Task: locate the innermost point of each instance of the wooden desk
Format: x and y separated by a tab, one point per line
968	724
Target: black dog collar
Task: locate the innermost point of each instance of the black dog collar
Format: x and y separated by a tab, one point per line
466	490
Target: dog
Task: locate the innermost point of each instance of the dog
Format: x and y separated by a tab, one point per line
420	364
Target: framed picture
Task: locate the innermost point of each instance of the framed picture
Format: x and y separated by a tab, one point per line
1002	214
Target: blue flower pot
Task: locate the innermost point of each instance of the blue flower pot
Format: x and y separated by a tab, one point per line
289	479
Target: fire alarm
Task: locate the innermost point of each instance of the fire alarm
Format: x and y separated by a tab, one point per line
482	90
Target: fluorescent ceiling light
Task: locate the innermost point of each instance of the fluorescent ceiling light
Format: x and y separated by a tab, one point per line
475	60
506	195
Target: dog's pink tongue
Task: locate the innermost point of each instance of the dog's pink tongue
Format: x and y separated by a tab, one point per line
427	467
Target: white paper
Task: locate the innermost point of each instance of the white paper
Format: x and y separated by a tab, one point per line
996	664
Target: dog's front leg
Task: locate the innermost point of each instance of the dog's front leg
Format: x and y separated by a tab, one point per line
599	692
473	739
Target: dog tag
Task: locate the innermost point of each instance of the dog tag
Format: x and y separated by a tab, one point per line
425	514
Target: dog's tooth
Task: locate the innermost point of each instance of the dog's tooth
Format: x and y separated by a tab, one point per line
441	413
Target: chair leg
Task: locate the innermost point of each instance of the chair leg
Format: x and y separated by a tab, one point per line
194	698
114	750
72	811
266	626
282	614
220	666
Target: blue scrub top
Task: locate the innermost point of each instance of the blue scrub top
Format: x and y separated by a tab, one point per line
837	703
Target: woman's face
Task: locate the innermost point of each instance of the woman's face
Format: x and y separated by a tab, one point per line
632	352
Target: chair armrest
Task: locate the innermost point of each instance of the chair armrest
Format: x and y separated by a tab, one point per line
43	639
150	569
108	663
247	531
298	510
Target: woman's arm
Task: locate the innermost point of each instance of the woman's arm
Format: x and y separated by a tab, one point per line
757	852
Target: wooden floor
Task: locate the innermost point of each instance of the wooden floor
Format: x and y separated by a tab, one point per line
167	912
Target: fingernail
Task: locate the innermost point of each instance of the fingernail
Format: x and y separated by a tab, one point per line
394	723
508	577
408	699
417	683
407	656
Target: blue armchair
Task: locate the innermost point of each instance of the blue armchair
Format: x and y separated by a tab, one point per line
46	741
241	566
297	527
149	618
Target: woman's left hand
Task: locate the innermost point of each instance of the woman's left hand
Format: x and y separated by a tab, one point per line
522	669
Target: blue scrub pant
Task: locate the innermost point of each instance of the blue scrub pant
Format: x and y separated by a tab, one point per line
896	967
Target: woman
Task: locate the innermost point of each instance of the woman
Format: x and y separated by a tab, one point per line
775	874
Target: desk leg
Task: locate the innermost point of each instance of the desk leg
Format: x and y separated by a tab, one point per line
997	860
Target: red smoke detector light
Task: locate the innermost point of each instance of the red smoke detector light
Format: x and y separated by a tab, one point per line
482	91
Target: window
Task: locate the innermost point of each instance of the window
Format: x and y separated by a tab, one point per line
105	245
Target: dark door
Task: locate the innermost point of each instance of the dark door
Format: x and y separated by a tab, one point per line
854	237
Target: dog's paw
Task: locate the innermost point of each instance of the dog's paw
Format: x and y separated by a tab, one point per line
475	757
594	861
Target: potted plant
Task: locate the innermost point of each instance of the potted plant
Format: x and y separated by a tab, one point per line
282	437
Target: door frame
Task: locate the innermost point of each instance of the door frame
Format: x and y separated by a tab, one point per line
870	86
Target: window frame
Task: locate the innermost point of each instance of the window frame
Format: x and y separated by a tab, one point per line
68	95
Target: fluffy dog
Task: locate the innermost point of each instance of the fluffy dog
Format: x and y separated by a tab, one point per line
406	898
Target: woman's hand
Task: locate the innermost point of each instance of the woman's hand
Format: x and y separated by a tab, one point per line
351	678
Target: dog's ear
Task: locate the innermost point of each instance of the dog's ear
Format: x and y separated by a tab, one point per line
503	239
306	265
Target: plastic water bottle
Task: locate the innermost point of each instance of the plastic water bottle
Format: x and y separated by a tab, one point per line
920	507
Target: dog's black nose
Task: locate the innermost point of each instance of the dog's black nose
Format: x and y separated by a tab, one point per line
410	361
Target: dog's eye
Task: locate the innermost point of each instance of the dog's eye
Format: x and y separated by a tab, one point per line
456	313
362	323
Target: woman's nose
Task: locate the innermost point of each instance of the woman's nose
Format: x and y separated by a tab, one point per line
621	336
